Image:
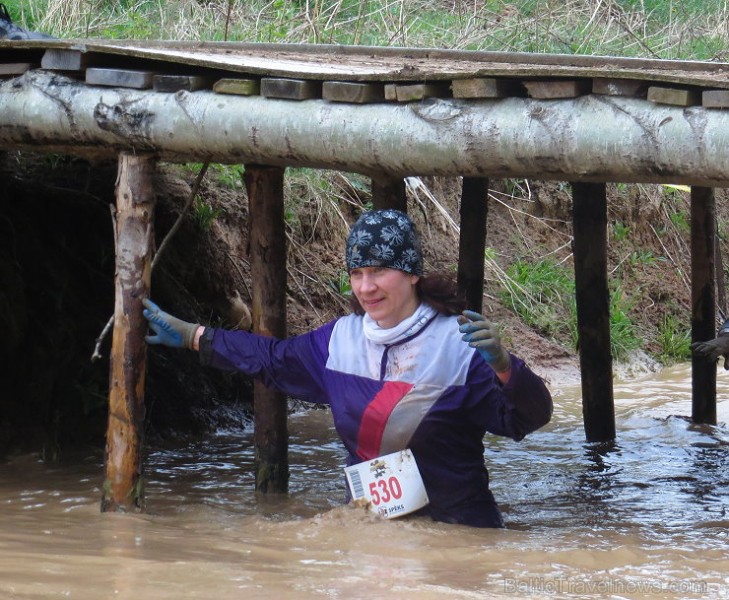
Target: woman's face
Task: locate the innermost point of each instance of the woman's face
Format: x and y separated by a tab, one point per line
387	295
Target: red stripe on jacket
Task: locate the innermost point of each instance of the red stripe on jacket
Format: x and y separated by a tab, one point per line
375	416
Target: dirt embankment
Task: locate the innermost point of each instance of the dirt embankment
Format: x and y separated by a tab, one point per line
56	261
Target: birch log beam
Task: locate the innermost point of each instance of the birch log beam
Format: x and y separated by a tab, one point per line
592	138
123	488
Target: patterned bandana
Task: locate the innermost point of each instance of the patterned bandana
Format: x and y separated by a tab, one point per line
385	238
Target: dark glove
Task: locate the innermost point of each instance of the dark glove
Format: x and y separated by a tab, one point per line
484	336
169	330
713	349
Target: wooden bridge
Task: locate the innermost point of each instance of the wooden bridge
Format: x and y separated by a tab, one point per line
388	113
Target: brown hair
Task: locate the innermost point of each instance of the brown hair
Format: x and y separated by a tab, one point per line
437	290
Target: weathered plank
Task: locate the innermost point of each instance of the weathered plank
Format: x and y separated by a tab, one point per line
56	59
176	83
391	92
124	78
14	68
238	87
352	92
353	63
290	89
715	98
673	96
486	87
557	89
620	87
421	91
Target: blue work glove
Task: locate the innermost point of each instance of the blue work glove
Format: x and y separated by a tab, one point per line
484	336
713	349
170	331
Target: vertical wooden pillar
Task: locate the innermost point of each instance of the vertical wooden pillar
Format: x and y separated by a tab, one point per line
593	309
123	488
472	242
267	239
389	192
719	274
703	302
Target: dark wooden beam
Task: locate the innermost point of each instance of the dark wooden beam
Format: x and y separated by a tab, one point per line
389	192
593	309
123	489
267	239
703	302
472	242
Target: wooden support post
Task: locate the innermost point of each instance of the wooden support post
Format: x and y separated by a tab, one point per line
593	309
703	302
267	235
472	243
123	488
389	192
720	282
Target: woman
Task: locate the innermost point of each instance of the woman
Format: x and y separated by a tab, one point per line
396	373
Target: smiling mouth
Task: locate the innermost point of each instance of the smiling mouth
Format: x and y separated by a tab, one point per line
373	302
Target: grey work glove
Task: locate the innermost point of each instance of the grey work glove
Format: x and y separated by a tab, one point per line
169	331
483	335
715	348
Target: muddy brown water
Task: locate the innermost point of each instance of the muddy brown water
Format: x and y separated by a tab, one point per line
646	518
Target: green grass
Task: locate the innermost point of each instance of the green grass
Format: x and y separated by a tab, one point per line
342	285
653	28
205	213
542	293
674	340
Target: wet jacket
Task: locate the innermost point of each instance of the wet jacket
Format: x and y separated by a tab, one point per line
429	392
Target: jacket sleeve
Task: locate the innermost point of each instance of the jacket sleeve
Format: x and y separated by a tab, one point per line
294	366
513	410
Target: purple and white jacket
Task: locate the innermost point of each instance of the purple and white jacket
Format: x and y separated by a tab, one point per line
428	391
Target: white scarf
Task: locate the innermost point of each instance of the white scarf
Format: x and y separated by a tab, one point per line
404	329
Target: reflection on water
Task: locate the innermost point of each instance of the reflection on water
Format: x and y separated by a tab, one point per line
645	517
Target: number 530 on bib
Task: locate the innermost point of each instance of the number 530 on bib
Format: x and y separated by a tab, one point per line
391	484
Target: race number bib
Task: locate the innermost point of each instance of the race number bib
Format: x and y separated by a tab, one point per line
391	484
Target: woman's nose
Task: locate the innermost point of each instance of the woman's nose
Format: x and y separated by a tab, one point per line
367	283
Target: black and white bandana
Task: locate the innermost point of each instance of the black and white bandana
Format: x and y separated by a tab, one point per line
385	238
